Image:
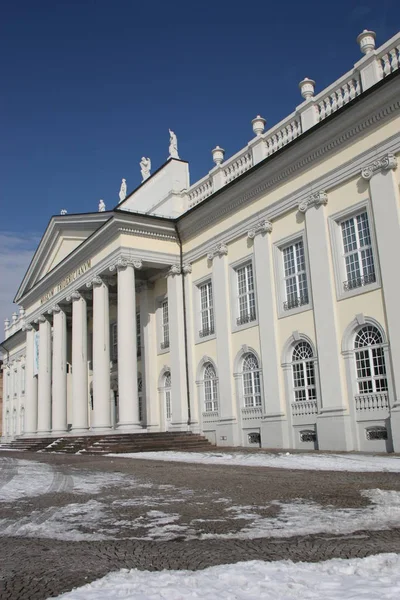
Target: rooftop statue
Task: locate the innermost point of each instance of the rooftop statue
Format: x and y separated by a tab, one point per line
145	166
122	191
173	145
102	206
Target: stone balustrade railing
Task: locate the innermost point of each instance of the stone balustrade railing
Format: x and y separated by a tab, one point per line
313	110
304	408
11	327
340	93
372	402
252	412
389	56
200	190
237	165
285	132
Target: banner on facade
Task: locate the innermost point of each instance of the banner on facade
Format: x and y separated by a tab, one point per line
36	353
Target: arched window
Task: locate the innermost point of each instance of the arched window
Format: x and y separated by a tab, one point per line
251	381
303	372
370	361
210	388
167	395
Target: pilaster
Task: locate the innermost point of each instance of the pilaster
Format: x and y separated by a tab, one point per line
227	427
385	202
333	424
274	428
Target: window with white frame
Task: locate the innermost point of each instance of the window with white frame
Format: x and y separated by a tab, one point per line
210	388
164	325
246	294
370	361
114	342
357	252
251	381
15	382
167	396
138	335
206	309
303	368
295	276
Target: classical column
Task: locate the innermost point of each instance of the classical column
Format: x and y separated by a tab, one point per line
227	428
31	384
149	355
101	355
59	364
274	425
194	406
44	381
179	395
127	345
79	363
334	426
385	200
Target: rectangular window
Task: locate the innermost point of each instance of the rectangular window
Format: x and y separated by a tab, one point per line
206	309
138	335
164	325
114	342
295	276
357	251
246	295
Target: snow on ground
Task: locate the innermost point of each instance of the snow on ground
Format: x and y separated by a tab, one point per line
313	462
372	578
95	520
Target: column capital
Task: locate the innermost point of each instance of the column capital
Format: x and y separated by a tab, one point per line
187	268
385	163
96	281
75	295
220	249
123	263
315	199
54	309
174	270
27	327
261	227
41	319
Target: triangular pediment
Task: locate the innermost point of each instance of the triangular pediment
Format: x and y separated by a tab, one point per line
63	235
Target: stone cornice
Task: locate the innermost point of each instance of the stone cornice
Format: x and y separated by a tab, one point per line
220	249
385	163
261	227
316	199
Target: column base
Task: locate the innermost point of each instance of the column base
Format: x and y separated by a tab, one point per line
78	430
101	428
130	427
43	433
59	431
178	426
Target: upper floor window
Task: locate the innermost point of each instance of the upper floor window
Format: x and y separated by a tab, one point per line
210	388
23	379
246	294
295	276
303	372
206	309
357	251
251	381
114	342
370	361
164	325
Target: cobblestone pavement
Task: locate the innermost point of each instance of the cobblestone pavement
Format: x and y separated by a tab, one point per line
92	515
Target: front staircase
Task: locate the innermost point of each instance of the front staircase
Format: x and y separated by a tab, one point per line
112	443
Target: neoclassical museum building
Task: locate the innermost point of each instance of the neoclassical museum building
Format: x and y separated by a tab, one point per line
258	306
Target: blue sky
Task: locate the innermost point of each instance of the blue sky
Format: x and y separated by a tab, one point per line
91	86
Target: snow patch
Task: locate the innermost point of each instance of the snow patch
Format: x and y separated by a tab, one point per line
372	578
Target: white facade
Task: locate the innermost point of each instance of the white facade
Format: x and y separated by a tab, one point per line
258	305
